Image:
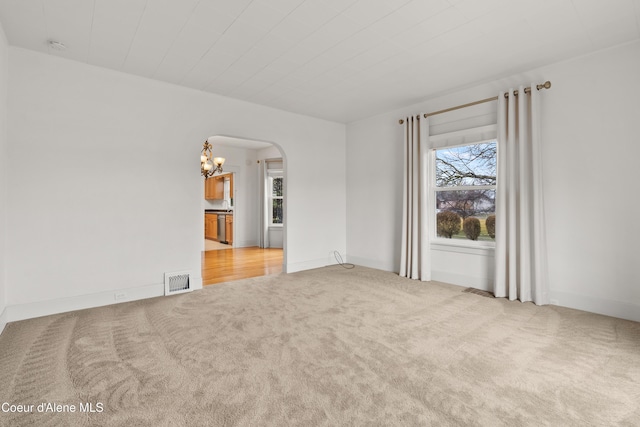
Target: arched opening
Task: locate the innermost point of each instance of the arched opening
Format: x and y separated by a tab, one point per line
253	202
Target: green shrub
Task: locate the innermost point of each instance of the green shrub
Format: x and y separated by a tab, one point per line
448	223
471	227
490	222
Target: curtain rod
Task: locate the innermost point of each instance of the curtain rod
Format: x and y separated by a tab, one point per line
545	85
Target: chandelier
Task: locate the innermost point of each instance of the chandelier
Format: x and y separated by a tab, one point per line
208	167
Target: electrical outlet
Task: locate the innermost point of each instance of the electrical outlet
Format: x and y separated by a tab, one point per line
119	296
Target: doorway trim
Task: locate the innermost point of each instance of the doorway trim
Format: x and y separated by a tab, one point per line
236	171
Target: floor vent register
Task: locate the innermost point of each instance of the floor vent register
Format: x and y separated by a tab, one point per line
176	283
478	292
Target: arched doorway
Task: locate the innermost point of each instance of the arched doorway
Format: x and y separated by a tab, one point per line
256	205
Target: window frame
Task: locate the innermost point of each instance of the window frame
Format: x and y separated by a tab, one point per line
443	243
271	174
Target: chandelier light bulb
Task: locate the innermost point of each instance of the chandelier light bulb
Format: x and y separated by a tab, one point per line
207	166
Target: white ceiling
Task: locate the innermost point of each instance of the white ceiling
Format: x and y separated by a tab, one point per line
340	60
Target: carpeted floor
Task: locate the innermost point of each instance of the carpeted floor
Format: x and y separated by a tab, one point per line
324	347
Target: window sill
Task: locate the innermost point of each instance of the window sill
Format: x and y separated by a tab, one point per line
475	248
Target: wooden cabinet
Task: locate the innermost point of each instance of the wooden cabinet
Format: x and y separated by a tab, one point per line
218	191
211	226
229	228
214	227
206	227
209	185
214	187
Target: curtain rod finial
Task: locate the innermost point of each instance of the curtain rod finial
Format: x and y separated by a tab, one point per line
545	85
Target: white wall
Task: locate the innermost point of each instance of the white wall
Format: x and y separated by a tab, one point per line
590	151
105	189
269	153
4	50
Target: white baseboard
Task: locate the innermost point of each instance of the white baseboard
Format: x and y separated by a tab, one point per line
17	312
292	267
3	319
12	313
80	302
607	307
482	283
245	244
196	283
372	263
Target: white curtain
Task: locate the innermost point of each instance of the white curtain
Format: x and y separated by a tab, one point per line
415	261
521	270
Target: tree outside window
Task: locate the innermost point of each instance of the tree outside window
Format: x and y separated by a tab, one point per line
465	191
276	187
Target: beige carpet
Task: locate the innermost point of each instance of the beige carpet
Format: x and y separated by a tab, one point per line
326	347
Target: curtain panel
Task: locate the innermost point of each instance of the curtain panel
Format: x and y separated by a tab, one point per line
520	254
415	260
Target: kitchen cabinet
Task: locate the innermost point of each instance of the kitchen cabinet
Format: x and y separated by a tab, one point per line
218	190
208	188
211	226
229	229
214	187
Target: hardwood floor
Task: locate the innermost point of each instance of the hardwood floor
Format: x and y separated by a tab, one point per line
233	264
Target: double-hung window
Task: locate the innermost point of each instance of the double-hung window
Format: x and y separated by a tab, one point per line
463	186
275	197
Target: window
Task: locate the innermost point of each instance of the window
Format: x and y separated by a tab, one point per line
275	192
465	192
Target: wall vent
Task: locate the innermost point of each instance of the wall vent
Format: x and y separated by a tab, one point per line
176	283
478	292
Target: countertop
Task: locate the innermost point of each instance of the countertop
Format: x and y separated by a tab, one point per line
218	211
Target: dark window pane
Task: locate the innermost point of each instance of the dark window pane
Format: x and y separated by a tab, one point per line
468	165
277	211
277	187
